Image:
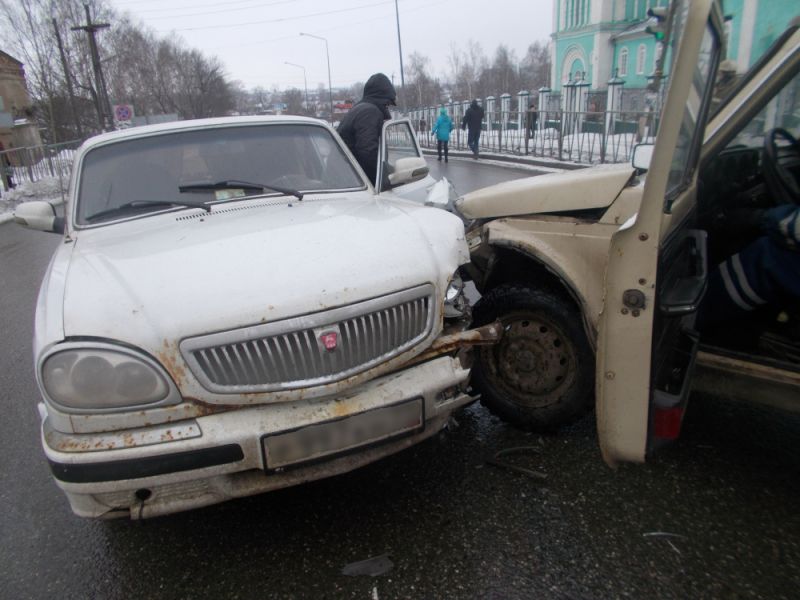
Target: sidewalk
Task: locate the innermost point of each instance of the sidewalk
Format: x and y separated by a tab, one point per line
519	159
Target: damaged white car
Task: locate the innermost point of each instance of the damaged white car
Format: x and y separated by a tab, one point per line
235	308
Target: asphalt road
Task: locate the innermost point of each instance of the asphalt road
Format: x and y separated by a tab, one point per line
453	526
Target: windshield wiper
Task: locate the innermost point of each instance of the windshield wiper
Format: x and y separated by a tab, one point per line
228	184
143	203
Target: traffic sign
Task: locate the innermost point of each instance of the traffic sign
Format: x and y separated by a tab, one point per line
123	112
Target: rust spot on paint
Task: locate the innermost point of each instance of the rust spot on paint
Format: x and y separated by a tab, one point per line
203	409
341	409
445	344
170	359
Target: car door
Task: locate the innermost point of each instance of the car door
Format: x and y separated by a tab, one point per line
402	169
656	270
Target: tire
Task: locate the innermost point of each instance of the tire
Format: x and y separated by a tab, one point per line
540	376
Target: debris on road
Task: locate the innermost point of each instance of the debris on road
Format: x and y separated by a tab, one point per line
496	461
377	565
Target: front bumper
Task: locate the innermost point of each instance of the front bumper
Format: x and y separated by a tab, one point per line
197	462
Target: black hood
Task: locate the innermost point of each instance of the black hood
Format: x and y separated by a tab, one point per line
379	90
475	104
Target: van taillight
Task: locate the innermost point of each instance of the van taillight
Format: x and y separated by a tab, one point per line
667	422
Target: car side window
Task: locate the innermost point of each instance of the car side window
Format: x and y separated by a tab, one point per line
783	111
400	143
690	135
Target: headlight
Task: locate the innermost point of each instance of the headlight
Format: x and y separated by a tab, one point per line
456	304
100	378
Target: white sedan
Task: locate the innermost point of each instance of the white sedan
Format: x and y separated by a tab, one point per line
235	308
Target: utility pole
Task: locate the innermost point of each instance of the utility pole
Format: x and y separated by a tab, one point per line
106	120
68	78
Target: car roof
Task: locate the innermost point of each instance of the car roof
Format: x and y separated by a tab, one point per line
194	124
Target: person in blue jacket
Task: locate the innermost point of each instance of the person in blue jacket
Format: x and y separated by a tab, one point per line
441	129
763	276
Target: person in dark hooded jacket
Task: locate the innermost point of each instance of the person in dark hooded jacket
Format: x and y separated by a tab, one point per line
361	127
472	120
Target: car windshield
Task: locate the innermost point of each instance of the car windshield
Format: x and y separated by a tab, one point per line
134	177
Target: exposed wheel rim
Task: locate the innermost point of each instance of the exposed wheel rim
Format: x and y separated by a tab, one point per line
535	363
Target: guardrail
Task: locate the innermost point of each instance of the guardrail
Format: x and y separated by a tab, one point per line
582	137
35	163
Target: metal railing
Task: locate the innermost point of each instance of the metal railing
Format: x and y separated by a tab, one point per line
581	137
35	163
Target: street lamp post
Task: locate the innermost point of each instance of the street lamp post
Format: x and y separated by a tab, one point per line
305	81
328	55
400	50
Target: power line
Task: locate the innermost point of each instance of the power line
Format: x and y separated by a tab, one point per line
213	12
283	19
426	5
192	6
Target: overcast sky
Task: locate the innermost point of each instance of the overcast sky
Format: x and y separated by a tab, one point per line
254	39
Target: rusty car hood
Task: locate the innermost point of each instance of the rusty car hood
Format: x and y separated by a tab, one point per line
553	193
155	281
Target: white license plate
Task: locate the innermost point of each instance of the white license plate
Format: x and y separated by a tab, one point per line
326	439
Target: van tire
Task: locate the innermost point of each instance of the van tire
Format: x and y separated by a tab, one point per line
540	376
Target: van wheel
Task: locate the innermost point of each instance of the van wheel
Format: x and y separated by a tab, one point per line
541	374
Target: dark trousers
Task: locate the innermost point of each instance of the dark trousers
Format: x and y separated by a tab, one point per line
439	145
473	139
762	276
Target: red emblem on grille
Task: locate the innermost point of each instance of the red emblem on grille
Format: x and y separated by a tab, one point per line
329	340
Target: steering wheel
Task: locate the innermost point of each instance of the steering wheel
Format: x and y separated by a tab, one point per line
782	167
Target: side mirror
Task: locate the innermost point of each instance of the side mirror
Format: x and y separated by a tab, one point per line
408	169
642	154
40	216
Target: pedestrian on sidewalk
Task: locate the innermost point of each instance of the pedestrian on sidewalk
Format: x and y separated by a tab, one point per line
472	122
7	183
442	129
533	117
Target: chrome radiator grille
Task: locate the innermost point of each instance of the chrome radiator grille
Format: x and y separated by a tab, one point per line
292	353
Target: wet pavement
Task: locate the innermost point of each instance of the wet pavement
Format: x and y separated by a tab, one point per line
714	516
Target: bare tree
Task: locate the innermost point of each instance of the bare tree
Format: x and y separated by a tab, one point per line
504	71
475	62
29	37
460	87
535	67
155	75
423	89
293	99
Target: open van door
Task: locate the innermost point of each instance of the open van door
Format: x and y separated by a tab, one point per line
402	169
656	272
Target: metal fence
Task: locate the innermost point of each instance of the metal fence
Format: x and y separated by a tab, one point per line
582	137
35	163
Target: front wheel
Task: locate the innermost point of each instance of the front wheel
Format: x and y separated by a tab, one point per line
541	374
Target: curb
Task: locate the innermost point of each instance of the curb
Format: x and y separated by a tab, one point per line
520	160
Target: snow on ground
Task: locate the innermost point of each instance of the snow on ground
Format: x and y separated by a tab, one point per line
46	189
